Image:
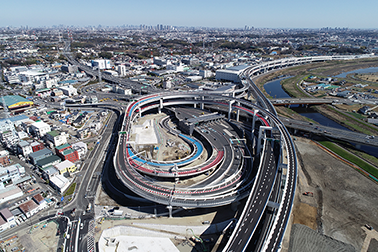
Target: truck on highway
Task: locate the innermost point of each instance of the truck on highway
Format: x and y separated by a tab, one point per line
89	207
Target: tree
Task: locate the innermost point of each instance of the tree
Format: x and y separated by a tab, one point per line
105	55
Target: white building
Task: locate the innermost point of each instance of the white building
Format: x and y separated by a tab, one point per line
11	173
102	64
59	182
176	68
68	90
29	208
167	84
24	148
57	138
40	128
121	69
81	149
205	73
230	74
193	78
111	72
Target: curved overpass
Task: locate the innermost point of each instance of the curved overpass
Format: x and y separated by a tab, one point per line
218	194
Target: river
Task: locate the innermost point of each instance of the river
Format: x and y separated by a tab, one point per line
274	89
364	70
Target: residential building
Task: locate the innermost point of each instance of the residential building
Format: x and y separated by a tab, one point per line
29	208
48	161
81	149
40	128
121	69
69	69
57	92
65	152
37	146
24	148
69	154
11	173
6	126
57	138
65	166
38	198
38	155
205	73
4	158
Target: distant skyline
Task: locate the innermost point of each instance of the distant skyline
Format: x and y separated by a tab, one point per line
220	13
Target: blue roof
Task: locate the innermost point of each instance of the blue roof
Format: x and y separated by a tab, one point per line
68	81
42	152
15	118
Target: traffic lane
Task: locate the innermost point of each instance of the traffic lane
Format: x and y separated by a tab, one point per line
257	205
283	219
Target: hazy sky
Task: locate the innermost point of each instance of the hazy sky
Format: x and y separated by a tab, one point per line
207	13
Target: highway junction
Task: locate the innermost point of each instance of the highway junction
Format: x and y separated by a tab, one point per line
236	150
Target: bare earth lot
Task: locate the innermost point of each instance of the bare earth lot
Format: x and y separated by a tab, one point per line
344	199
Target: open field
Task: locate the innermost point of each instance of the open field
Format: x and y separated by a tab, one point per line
345	200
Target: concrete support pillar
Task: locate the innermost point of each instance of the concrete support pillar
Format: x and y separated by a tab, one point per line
237	112
140	112
170	211
161	103
262	134
274	205
255	112
230	109
202	105
195	104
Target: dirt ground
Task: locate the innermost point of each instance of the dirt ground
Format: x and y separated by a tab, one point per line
37	239
369	77
343	200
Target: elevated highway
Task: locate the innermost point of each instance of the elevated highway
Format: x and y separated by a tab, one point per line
304	101
331	132
214	194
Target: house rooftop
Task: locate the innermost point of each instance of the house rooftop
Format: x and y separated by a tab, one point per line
6	213
28	206
48	160
53	133
63	146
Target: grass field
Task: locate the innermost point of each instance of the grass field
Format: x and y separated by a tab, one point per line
351	158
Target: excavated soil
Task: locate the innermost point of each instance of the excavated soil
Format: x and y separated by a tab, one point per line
344	199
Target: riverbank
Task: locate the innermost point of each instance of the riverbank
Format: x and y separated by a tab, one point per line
343	114
326	69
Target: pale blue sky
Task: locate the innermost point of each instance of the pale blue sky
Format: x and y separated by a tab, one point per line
207	13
